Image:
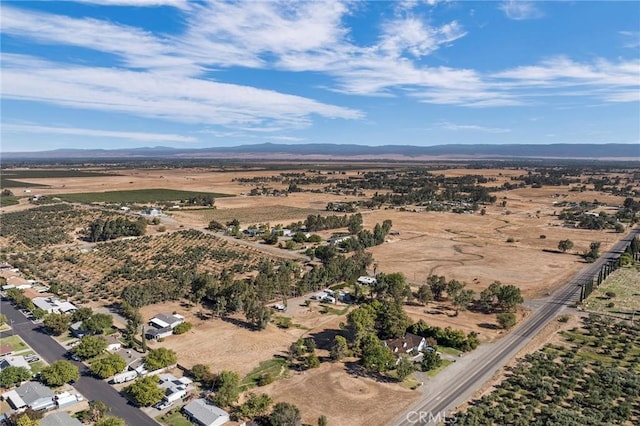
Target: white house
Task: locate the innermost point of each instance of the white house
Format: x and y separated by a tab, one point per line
176	388
411	345
53	305
14	361
204	413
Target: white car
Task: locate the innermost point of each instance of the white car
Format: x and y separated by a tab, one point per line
163	404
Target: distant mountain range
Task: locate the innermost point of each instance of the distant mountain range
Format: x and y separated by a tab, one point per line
269	151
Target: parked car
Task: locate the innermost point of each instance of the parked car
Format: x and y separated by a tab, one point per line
162	405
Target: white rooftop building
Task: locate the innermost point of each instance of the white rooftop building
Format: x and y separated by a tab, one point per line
52	305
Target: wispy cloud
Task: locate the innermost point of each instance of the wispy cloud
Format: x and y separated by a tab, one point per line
157	95
74	131
180	4
520	10
471	127
631	39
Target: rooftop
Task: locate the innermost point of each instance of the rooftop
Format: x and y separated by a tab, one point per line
59	419
204	411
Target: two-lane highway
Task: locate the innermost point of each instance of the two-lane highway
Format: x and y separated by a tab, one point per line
92	388
438	402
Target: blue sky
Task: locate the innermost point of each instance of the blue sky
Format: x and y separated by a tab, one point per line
134	73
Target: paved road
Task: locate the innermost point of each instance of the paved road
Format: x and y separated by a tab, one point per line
439	401
87	385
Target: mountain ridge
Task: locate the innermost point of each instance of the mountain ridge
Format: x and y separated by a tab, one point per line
328	150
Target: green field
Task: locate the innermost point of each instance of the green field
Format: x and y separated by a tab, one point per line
135	196
15	341
8	201
276	367
10	178
625	284
174	418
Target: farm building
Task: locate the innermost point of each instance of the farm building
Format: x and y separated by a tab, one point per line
204	413
162	325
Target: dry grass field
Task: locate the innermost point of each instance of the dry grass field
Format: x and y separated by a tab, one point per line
224	344
473	248
345	399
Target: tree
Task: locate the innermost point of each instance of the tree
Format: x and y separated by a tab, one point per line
145	391
228	389
108	366
312	361
111	421
430	360
462	300
25	420
255	406
97	323
182	328
438	285
285	414
593	253
57	324
339	348
59	373
453	288
565	245
11	375
96	411
81	314
506	320
509	297
391	320
361	322
90	346
424	295
3	319
355	224
160	358
404	368
199	372
323	421
376	357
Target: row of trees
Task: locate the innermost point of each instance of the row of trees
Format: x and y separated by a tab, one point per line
104	230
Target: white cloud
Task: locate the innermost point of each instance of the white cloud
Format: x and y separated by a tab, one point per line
412	35
151	94
631	39
74	131
520	10
610	81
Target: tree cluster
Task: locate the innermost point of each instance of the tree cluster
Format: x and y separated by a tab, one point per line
104	230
